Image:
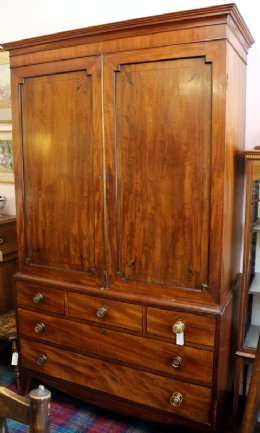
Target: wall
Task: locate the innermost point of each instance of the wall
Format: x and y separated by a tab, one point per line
29	18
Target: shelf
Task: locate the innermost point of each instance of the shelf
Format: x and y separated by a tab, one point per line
256	228
255	285
252	336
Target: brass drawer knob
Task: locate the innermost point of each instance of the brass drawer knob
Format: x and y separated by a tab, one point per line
41	359
39	327
177	361
176	399
101	311
37	298
1	239
178	327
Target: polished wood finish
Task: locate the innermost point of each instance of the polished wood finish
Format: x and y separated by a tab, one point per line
121	381
198	329
156	355
8	261
139	224
51	299
117	313
252	161
149	176
247	347
34	412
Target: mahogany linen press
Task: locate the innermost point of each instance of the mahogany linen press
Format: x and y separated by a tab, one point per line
128	141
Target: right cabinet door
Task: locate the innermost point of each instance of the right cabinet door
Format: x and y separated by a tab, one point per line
159	117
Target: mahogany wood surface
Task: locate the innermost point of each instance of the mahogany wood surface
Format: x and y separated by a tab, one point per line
198	328
156	355
8	261
127	154
52	299
138	386
117	313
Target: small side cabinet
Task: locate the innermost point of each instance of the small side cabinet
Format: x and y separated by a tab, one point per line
249	318
250	297
8	260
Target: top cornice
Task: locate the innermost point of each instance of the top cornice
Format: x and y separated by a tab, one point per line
176	20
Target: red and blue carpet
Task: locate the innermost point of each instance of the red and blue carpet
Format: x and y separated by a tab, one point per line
69	415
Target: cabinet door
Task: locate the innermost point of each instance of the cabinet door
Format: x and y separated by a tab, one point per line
59	160
159	107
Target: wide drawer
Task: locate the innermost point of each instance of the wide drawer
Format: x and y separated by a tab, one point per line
134	385
198	329
115	313
150	354
40	298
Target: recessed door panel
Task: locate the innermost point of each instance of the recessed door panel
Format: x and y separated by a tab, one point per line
62	170
162	156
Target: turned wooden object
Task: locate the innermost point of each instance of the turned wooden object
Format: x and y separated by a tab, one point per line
34	412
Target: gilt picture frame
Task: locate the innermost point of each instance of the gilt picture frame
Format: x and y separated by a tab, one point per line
6	147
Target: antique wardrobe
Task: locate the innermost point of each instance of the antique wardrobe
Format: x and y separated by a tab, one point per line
128	142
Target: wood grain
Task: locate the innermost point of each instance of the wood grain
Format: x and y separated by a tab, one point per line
142	387
156	355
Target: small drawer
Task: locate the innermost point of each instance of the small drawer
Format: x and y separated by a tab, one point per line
40	298
154	391
198	329
178	361
105	311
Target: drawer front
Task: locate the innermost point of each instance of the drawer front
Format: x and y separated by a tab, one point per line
116	313
150	354
198	329
8	235
40	298
140	387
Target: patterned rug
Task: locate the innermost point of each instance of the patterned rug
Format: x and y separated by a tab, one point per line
69	415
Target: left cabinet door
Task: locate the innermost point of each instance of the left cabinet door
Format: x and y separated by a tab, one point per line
59	169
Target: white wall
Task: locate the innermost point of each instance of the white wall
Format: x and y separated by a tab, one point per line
22	19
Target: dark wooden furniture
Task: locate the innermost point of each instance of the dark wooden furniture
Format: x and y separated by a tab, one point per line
252	406
8	261
128	142
8	333
34	412
249	317
250	294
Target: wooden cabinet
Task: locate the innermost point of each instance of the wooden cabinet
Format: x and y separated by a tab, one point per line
8	261
249	317
128	149
250	297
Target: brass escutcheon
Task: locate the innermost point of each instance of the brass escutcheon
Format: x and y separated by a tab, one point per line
176	399
101	311
178	327
37	298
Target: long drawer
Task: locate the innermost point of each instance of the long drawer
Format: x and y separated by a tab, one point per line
125	382
183	361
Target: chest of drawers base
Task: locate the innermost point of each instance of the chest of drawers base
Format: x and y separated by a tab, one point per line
128	352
